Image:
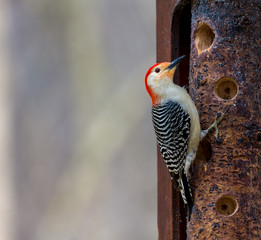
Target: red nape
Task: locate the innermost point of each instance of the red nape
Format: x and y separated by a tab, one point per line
154	97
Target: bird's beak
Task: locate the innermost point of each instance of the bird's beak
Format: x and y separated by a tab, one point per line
174	63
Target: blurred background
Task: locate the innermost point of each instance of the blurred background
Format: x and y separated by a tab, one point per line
78	156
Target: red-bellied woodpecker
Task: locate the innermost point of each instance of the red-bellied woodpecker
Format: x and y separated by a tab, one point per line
176	123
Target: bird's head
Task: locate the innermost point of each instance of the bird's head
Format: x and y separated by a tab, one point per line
159	78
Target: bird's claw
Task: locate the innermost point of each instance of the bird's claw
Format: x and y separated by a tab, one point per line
218	119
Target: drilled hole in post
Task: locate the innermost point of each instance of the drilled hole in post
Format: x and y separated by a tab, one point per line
204	153
227	205
204	37
226	88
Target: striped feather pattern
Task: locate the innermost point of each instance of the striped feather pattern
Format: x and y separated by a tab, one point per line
172	126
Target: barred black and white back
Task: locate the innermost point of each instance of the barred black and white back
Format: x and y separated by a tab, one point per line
172	128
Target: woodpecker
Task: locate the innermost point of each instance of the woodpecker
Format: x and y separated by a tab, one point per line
176	123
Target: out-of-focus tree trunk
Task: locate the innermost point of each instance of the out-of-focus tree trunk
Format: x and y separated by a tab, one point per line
6	124
74	107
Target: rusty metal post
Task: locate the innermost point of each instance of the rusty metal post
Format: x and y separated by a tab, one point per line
171	43
225	71
168	200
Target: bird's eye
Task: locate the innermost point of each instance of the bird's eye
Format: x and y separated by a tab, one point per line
157	70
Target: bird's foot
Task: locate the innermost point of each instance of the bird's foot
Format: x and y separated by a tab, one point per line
219	117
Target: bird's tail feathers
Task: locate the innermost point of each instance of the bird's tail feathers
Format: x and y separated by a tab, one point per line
182	185
186	193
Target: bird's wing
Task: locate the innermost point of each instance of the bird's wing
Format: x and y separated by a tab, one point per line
172	127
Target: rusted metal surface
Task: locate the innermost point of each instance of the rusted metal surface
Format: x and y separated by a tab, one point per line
234	167
166	197
171	211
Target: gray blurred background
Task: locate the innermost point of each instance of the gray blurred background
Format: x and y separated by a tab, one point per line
78	157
